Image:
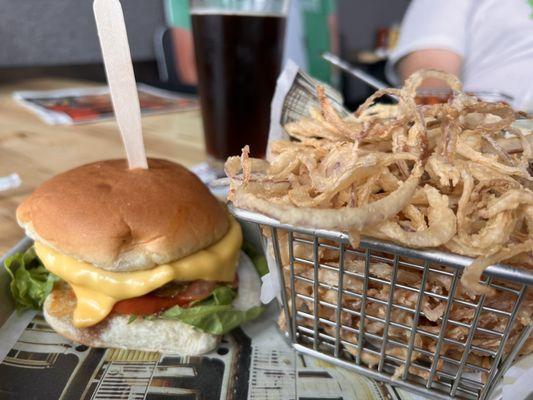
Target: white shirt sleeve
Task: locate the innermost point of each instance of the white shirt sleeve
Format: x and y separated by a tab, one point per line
431	24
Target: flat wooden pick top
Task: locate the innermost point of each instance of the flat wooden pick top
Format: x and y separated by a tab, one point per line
119	70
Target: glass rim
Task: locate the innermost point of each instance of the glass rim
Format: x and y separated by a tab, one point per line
276	8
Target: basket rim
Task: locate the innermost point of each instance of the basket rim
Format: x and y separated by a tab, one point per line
501	271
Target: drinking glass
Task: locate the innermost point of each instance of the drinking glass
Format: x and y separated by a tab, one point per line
238	46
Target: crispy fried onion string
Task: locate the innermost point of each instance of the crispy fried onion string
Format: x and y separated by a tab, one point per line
472	274
465	150
442	224
333	218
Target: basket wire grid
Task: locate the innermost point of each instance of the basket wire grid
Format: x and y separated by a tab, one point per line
316	324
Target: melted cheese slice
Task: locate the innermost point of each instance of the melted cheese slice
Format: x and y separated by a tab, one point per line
98	290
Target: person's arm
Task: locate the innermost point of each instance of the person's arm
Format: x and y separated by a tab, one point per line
444	60
333	27
178	18
182	42
433	35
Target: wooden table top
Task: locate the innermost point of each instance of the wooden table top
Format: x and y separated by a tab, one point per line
37	151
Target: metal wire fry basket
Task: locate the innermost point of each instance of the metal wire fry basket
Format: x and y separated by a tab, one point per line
359	318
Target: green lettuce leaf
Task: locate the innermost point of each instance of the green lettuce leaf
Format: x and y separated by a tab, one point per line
215	314
213	319
258	259
30	281
221	296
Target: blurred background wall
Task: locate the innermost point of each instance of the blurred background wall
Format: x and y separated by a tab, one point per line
52	36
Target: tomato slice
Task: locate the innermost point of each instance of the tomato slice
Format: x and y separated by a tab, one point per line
148	304
158	300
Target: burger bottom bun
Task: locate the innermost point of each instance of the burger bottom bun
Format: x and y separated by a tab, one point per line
142	334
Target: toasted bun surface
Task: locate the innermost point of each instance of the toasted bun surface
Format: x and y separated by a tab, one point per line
124	220
141	334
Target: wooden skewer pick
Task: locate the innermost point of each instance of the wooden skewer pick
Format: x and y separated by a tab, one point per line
119	70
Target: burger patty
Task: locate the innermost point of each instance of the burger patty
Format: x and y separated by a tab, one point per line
174	293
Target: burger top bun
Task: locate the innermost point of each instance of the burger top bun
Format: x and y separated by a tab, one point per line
124	220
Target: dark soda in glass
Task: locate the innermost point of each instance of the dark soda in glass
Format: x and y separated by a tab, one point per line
238	57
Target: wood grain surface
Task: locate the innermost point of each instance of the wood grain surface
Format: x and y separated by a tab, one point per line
37	151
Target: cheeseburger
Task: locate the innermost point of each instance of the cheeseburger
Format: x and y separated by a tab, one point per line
146	258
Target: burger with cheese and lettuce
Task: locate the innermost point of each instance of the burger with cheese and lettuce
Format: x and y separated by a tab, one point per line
139	259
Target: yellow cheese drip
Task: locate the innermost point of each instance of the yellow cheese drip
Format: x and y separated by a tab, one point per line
98	290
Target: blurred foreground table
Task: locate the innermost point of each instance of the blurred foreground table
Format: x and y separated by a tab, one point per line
37	151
